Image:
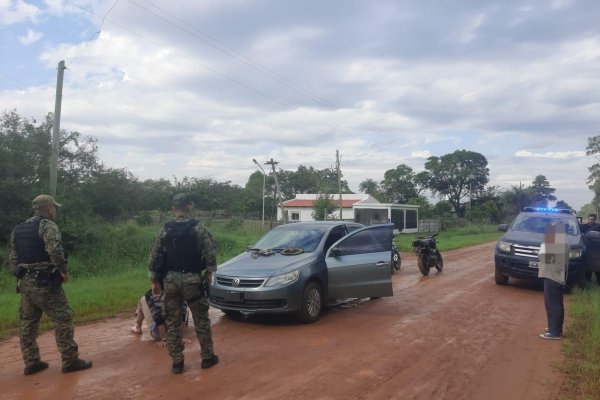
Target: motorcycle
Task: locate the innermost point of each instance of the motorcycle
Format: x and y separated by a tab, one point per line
428	256
396	260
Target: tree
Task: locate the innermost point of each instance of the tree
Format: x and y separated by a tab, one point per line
370	187
456	175
397	185
324	207
25	148
542	192
309	180
563	205
421	181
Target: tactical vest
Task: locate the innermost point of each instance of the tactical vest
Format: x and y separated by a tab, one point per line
30	246
182	253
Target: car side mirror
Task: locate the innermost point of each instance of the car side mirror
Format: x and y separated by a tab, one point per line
503	227
335	252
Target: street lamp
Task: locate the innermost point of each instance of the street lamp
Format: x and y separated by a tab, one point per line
263	192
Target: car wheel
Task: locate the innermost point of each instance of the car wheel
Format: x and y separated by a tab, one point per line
439	262
500	278
423	266
312	303
396	261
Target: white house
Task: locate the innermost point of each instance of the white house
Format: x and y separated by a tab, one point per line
361	208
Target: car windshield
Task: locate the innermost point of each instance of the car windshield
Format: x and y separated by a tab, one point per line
305	238
537	223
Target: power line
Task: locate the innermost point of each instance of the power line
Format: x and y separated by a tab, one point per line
225	76
215	43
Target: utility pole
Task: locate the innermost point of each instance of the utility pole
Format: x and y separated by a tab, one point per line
337	164
263	191
273	163
56	128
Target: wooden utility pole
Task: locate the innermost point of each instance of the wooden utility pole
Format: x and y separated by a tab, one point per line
273	163
56	128
337	164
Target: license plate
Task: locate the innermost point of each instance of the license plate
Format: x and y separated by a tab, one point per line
232	296
533	264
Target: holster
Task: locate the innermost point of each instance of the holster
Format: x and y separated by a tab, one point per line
19	272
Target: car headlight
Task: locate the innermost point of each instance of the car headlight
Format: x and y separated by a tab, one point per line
504	247
283	279
575	254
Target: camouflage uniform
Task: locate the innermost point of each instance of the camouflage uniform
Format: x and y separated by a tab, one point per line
36	299
182	286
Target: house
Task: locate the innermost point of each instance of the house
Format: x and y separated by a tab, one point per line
361	208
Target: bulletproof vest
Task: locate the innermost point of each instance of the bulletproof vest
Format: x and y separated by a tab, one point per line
30	246
182	253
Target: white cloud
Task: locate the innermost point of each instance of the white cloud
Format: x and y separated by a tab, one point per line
421	154
556	155
30	38
13	12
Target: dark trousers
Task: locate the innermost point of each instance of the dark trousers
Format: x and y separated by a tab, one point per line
555	309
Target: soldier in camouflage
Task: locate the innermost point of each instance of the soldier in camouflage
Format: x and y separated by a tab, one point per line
37	260
182	261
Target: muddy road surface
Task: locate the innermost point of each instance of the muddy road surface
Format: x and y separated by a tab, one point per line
450	335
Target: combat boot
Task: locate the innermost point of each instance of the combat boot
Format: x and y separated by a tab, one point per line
76	365
177	368
209	362
35	367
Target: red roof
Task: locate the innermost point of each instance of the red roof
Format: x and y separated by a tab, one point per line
310	203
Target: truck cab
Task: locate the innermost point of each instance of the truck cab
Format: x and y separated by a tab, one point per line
516	253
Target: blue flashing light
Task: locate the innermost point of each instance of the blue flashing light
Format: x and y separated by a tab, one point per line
548	210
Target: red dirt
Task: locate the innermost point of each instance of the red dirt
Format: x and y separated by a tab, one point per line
450	335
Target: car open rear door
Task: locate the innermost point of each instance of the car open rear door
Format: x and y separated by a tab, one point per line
358	265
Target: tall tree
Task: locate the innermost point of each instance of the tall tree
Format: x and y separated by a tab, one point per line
397	185
309	180
370	187
456	175
542	192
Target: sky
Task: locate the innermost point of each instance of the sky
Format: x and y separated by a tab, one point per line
201	88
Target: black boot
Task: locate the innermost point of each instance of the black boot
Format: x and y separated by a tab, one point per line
209	362
35	367
76	365
177	368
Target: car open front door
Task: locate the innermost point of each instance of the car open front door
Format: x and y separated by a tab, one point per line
358	265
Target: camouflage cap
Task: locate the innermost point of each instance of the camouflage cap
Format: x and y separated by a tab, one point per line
182	200
44	200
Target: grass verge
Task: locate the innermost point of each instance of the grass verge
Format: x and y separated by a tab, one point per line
454	238
582	350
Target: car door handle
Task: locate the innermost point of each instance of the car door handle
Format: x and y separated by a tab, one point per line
380	263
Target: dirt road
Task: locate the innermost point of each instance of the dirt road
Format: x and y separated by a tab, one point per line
450	335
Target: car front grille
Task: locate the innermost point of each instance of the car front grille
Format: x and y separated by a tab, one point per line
270	304
526	251
240	282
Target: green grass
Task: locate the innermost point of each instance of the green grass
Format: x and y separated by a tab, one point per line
454	238
582	350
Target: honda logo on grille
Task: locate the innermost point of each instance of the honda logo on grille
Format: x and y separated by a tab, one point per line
236	282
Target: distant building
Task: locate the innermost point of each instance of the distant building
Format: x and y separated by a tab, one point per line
361	208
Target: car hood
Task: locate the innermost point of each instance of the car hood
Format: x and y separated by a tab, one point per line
248	265
535	239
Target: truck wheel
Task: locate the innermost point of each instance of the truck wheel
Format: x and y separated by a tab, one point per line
423	266
500	278
312	303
